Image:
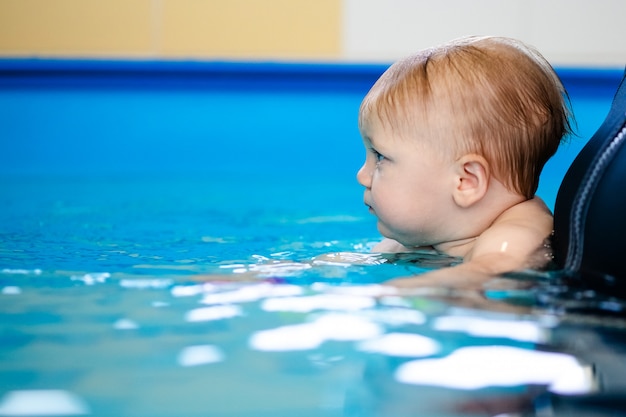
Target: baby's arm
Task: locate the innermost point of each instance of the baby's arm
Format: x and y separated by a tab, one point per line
514	241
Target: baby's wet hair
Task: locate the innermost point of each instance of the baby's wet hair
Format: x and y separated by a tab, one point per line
493	96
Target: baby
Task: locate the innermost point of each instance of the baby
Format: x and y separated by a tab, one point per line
456	138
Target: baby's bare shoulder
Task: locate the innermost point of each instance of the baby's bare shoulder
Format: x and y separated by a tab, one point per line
521	229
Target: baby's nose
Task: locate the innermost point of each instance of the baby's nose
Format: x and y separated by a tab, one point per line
364	176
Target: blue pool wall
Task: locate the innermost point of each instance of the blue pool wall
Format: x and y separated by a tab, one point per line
256	120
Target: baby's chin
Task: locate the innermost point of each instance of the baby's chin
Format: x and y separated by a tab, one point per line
403	244
404	238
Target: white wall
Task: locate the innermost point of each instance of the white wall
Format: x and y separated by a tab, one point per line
567	32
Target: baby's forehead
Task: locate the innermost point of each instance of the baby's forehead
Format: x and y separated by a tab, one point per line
403	115
436	128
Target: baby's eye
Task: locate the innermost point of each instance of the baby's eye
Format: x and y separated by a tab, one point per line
379	157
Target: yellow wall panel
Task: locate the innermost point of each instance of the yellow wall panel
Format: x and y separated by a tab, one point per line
76	27
247	29
252	28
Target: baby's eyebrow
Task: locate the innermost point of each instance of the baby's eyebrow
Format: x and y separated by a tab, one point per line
372	144
368	139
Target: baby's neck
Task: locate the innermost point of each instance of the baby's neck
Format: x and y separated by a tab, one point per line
458	248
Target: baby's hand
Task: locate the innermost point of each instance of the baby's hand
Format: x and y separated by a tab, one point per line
349	258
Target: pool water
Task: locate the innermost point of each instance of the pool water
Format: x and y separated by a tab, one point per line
139	278
123	298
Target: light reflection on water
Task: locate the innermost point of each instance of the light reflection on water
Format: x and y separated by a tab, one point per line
322	348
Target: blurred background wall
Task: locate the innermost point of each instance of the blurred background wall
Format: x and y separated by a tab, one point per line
568	32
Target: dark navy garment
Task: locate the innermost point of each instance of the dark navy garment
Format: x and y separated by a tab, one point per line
590	210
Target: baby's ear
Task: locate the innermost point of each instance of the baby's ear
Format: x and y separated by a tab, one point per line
471	180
